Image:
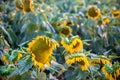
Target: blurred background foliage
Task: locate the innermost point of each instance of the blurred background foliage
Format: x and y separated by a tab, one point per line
19	25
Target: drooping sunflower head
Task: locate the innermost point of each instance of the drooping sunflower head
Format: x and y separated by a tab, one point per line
116	13
117	72
105	61
109	74
100	61
58	23
41	49
106	20
94	62
93	12
26	5
81	59
75	44
18	5
67	23
64	31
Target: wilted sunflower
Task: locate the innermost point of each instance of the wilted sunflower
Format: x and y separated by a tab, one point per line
74	45
64	30
117	72
81	59
41	49
100	61
58	23
18	5
116	13
108	75
67	23
106	20
93	12
24	5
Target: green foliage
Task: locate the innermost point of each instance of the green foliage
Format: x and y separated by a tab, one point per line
23	66
100	39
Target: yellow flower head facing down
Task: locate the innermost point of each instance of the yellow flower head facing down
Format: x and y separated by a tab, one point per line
81	59
100	61
67	23
58	24
5	59
74	45
26	5
117	72
94	62
93	12
116	13
18	5
64	31
41	49
106	20
108	75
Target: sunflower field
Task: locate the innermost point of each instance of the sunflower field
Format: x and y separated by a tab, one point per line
59	39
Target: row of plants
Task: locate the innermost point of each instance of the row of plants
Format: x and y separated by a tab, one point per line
59	40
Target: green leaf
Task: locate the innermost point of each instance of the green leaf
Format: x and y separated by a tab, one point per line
41	76
24	27
82	74
6	70
23	66
105	53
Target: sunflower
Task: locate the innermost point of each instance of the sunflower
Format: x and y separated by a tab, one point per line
18	5
64	31
108	75
117	72
116	13
100	61
41	49
74	45
94	62
5	59
67	23
26	5
93	12
106	20
58	24
81	59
